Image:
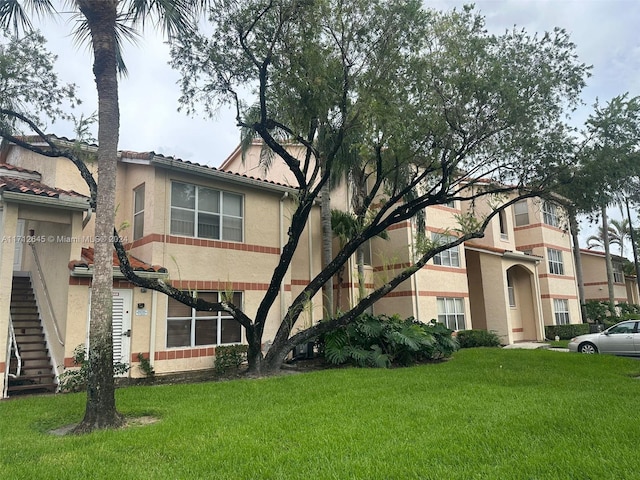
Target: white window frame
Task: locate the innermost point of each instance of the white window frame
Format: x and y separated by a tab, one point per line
451	312
215	316
550	215
618	273
520	214
138	215
220	213
561	311
502	221
511	291
556	263
449	257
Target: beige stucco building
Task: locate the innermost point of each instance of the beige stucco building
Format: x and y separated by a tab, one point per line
215	231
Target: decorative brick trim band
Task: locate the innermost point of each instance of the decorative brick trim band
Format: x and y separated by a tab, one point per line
517	330
543	245
86	281
398	226
3	366
185	353
556	276
427	293
203	242
218	285
538	225
559	297
595	284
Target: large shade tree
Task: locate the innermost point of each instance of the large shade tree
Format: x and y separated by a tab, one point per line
435	101
104	23
434	108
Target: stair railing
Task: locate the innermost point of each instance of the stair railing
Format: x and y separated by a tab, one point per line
14	345
46	291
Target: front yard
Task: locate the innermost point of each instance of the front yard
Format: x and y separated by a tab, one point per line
486	413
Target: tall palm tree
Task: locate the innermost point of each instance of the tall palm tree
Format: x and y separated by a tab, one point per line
618	233
104	23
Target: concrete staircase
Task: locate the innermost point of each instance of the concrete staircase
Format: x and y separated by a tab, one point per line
37	374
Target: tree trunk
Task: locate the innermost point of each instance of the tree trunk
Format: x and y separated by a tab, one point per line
575	230
362	291
632	234
327	247
607	258
101	406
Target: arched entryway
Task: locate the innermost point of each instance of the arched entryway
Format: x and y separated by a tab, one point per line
522	311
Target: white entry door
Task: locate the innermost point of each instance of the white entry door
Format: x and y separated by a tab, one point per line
122	326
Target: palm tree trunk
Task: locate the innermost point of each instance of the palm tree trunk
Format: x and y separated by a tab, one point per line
327	246
575	230
101	408
632	234
607	258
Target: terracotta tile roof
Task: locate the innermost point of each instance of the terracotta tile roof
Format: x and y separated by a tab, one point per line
150	156
33	187
137	264
13	168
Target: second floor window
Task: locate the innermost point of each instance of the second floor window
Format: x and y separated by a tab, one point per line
449	257
556	265
138	212
618	274
206	213
550	214
521	213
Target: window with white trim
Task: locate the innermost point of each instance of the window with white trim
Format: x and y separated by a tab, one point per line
449	257
138	212
206	213
451	312
521	213
556	265
502	219
618	274
550	214
511	290
187	327
561	311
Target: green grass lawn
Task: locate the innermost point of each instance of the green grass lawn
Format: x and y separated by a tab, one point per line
485	414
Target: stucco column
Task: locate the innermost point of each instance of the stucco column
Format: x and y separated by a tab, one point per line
7	250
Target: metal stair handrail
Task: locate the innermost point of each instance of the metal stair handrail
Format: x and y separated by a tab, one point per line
46	291
14	344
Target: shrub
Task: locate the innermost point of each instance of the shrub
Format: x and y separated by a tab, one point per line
229	356
566	332
75	380
597	311
380	341
477	338
145	366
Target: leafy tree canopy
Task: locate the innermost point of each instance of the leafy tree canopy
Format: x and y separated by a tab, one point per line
29	84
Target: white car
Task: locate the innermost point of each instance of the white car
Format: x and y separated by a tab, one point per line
621	339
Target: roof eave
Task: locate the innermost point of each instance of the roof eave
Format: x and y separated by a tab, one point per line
220	175
70	203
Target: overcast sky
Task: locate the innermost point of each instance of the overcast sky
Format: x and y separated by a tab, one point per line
605	32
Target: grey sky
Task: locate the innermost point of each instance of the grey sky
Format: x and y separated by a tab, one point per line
605	32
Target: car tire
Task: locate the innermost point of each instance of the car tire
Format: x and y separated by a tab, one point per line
588	348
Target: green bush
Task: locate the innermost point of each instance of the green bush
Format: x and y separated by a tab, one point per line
566	332
597	311
477	338
382	341
229	356
75	380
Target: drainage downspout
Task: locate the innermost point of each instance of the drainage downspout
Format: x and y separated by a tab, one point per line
152	332
87	219
416	303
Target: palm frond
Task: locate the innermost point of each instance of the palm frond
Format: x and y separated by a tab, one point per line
13	13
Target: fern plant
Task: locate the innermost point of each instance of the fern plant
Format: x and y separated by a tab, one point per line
382	341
